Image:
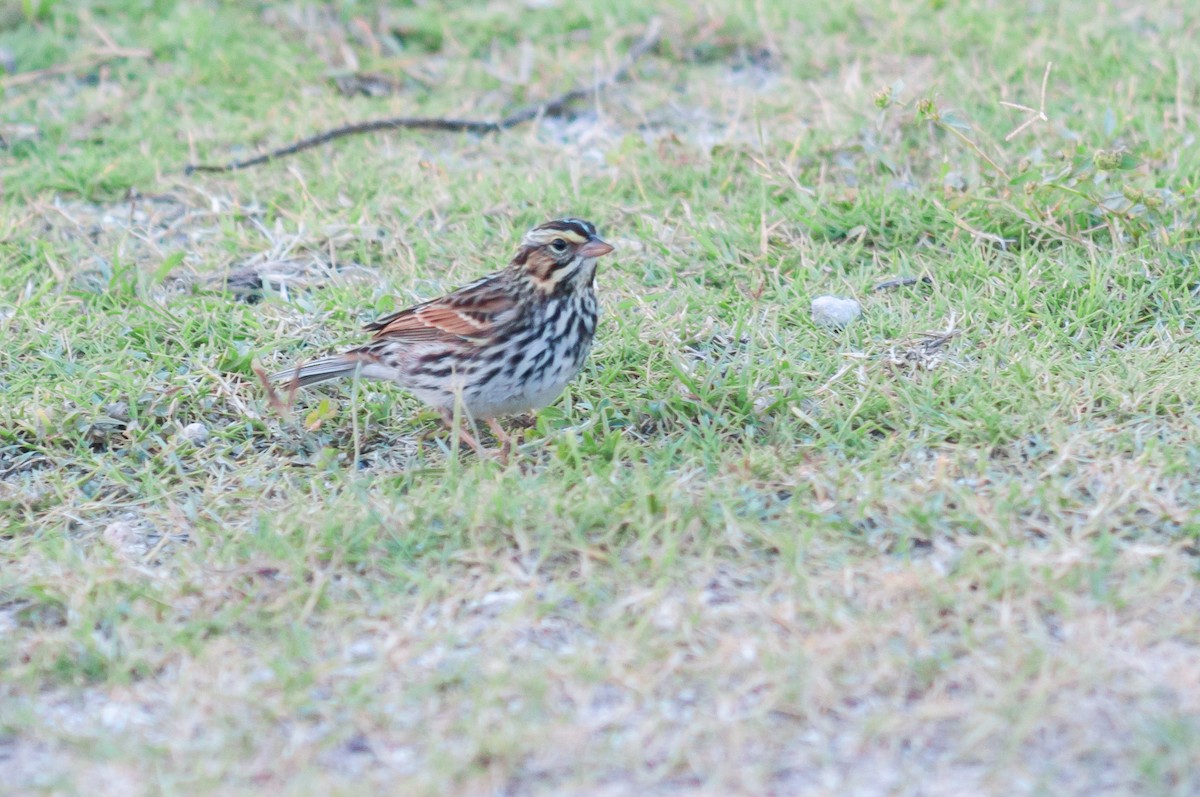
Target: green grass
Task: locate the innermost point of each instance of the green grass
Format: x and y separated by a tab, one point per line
741	554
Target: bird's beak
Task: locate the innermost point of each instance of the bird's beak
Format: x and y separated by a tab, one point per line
595	248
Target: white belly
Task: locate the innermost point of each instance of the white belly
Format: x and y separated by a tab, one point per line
506	396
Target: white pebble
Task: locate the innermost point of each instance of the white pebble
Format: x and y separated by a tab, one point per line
835	311
195	433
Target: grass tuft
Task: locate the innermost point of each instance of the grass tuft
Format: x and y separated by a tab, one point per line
953	544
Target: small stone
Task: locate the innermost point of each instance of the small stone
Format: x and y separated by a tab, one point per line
118	411
195	433
835	311
361	650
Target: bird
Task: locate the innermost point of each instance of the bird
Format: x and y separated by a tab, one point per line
505	344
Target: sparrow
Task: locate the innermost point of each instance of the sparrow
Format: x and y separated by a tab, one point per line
505	344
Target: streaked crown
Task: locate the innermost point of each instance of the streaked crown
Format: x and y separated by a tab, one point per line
575	231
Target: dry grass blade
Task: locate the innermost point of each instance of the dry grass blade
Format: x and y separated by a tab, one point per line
1000	241
557	105
1039	113
90	61
926	352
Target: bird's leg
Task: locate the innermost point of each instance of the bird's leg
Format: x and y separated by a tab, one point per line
502	437
463	433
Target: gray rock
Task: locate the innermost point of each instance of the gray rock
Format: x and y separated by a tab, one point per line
195	433
835	312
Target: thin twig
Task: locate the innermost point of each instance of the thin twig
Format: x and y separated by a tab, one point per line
1039	114
552	107
448	125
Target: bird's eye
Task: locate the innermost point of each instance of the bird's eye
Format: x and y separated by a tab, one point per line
558	245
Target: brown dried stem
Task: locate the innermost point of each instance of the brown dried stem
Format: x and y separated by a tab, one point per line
552	107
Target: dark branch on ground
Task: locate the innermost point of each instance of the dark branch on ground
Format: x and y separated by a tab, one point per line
553	107
900	282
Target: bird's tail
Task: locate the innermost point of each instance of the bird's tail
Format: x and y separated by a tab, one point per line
322	370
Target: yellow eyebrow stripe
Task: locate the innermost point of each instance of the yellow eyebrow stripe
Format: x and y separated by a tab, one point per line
546	236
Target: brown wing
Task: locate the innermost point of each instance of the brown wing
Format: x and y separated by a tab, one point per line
470	312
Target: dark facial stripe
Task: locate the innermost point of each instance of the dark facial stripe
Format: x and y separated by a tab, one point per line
522	256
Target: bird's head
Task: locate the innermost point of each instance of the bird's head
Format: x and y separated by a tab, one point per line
560	255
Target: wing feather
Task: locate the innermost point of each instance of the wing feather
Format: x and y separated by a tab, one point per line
471	312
